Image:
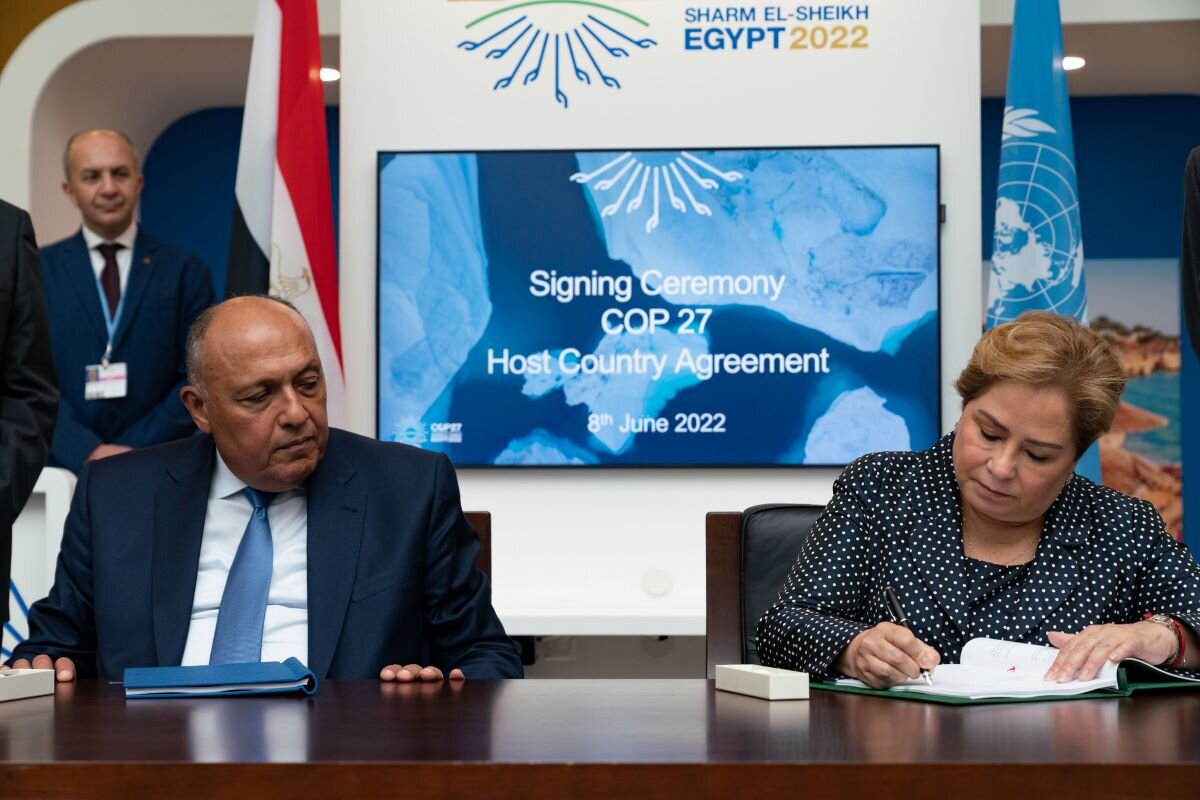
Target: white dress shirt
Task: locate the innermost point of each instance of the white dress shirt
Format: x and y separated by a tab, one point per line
124	255
285	628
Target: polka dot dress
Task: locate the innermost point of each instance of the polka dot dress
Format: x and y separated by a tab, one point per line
895	520
992	589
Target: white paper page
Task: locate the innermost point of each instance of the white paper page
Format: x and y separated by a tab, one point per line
1018	658
994	668
963	680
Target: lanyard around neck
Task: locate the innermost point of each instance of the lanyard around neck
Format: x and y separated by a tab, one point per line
111	320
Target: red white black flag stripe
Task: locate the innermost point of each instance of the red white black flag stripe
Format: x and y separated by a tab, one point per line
282	238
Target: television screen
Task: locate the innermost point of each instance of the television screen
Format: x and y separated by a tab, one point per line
659	307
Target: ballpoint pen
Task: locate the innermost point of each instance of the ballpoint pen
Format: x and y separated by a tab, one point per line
902	619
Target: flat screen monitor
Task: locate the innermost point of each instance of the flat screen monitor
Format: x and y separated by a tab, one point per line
689	307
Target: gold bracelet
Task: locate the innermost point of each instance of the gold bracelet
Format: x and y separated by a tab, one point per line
1178	659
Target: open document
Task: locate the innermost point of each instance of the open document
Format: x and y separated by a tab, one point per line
992	668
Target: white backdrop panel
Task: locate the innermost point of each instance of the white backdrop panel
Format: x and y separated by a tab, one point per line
590	552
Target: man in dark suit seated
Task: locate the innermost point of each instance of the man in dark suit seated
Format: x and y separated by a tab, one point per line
120	298
270	536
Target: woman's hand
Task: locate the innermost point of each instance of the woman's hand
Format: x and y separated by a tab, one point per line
1083	654
886	655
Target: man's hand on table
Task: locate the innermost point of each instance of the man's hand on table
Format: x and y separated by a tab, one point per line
410	673
64	668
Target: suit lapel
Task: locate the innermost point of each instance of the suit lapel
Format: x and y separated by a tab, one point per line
82	278
935	547
935	544
1054	576
335	527
141	272
180	506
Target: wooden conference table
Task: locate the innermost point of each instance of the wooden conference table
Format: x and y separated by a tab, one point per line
591	738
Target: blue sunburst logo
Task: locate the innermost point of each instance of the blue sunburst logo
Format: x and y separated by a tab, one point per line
580	47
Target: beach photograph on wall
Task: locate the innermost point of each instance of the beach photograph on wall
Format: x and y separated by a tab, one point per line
1134	305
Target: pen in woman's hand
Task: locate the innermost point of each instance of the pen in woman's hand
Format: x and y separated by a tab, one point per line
902	619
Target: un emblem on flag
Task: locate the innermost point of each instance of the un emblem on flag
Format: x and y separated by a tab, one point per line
1037	249
558	47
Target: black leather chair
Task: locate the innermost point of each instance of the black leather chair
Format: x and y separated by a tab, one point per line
748	555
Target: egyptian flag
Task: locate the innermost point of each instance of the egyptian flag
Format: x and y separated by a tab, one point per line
282	239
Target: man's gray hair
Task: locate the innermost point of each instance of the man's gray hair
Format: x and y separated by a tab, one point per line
194	349
67	150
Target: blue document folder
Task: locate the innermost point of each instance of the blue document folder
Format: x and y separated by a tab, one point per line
221	680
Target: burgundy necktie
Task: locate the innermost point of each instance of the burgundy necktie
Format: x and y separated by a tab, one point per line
110	276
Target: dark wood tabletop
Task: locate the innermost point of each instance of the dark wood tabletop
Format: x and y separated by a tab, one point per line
591	738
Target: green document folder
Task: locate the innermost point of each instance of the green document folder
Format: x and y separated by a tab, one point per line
1132	676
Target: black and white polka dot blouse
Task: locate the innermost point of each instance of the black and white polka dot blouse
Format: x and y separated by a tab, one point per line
895	519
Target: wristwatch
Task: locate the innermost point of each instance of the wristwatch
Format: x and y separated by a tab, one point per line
1179	657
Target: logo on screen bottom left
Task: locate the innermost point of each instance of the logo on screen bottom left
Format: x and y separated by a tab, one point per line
410	430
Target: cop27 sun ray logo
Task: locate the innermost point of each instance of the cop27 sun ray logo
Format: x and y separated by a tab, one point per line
579	43
649	176
410	430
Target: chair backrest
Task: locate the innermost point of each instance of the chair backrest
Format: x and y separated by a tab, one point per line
748	556
481	521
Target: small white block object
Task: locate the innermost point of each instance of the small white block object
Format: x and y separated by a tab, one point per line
17	684
769	683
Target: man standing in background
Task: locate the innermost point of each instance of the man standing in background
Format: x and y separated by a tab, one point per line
28	390
120	304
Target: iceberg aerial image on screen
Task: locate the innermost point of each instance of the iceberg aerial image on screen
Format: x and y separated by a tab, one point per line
657	308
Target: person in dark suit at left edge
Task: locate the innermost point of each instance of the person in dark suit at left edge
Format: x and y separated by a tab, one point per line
120	298
28	389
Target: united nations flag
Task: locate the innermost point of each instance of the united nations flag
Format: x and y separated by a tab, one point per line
1037	247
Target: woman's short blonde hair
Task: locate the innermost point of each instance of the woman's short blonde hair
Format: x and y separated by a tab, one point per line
1047	350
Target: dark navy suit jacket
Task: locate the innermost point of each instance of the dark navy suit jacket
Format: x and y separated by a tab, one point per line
391	565
167	288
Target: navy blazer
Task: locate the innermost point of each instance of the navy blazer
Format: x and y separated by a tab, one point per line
391	565
167	288
895	519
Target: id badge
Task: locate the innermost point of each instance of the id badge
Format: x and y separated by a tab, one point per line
105	382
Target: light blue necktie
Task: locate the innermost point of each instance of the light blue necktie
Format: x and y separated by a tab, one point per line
238	638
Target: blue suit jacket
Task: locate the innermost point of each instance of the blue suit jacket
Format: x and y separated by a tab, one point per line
391	565
167	288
